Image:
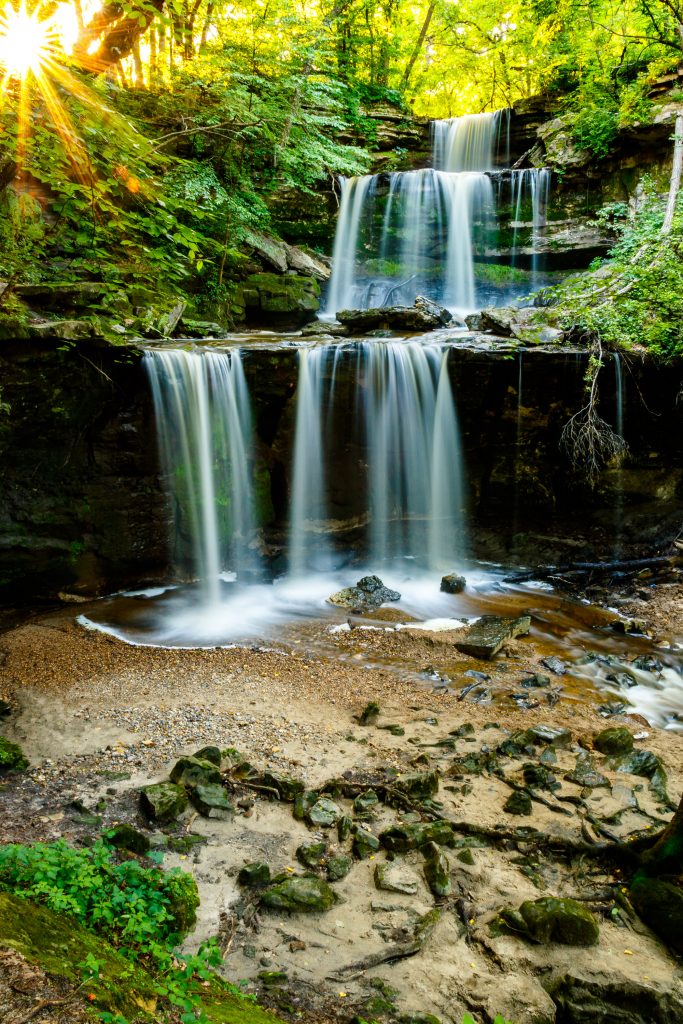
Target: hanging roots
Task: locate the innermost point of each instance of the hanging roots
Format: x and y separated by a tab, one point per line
589	441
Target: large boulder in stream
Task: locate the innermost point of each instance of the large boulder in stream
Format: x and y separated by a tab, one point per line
281	300
414	319
490	633
368	593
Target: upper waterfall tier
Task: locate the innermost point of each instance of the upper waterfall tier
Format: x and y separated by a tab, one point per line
422	232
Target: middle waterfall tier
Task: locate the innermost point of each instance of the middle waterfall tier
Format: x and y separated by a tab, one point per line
373	416
406	233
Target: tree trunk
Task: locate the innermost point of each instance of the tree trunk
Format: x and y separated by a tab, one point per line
666	856
137	66
207	25
675	183
417	49
116	29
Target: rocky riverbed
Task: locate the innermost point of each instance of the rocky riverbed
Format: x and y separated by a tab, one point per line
420	829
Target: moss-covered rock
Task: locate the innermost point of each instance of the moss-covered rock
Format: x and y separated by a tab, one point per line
365	843
212	801
183	894
614	741
210	754
11	756
549	919
125	837
437	870
191	772
324	813
312	854
163	801
518	802
418	785
401	838
338	867
300	894
254	875
281	300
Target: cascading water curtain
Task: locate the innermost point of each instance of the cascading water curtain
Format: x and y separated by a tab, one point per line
205	434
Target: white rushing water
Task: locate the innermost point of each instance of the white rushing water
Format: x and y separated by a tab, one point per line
203	417
405	233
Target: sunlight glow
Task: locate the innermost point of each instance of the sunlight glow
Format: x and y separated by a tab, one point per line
25	41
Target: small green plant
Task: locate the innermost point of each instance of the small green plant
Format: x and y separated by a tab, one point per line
595	129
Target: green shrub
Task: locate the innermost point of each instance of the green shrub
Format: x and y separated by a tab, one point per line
142	909
595	129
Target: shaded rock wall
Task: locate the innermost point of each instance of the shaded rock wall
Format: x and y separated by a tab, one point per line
83	506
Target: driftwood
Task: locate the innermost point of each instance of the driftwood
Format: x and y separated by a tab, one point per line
596	568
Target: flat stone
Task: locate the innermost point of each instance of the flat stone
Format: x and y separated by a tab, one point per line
584	774
556	665
401	318
393	877
487	636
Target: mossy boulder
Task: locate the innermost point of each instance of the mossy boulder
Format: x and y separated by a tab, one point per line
212	801
412	836
324	813
300	894
312	854
566	921
338	867
163	801
11	757
518	802
614	741
210	754
418	785
192	771
281	300
365	843
254	875
183	895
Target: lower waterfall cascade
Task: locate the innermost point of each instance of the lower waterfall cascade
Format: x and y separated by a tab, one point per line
404	233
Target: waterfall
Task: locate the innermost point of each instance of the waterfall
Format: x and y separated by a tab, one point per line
529	186
203	418
415	488
308	546
404	233
469	143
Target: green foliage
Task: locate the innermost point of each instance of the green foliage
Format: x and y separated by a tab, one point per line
143	910
615	303
595	129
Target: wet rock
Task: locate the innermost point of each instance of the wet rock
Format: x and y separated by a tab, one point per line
211	800
486	637
392	877
281	300
635	627
647	663
418	785
191	772
368	593
398	318
584	774
324	813
466	729
660	904
614	741
624	679
338	867
125	837
453	584
425	305
549	919
465	856
535	682
518	802
11	757
365	843
402	838
254	875
312	854
210	754
555	665
474	763
300	894
437	870
163	801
